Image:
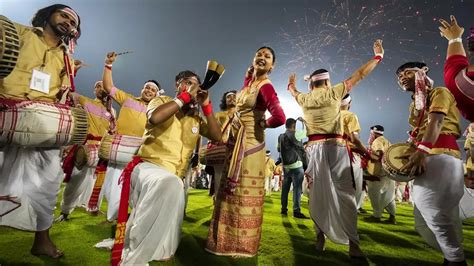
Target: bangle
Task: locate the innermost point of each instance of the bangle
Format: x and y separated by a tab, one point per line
458	39
178	102
424	147
288	86
185	97
207	109
108	66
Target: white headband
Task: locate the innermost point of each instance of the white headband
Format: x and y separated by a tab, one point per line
321	76
97	82
346	101
72	13
377	131
160	91
229	93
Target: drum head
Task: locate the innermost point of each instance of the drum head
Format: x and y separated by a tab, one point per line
392	163
9	47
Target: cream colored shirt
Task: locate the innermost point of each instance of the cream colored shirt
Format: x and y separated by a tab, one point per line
132	117
350	125
442	101
35	54
171	144
321	109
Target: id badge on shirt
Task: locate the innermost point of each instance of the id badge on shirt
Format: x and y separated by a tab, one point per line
40	81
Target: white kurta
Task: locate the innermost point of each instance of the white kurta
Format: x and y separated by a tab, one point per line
382	196
359	180
154	226
78	190
436	194
111	189
332	196
34	175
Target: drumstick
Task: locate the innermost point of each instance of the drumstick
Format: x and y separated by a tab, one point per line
126	52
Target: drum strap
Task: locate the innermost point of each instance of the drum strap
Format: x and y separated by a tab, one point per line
68	163
99	173
123	211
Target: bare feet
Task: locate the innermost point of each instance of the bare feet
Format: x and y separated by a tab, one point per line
355	251
320	242
44	246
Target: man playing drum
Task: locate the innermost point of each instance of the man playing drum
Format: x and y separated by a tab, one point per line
33	175
381	189
436	163
332	197
130	122
101	119
153	178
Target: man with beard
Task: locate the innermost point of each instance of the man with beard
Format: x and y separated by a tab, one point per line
154	178
227	107
43	56
101	119
436	163
130	122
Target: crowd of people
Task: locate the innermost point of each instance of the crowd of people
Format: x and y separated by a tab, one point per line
334	163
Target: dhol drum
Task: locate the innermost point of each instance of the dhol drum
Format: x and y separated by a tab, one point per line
119	149
41	124
9	47
87	155
395	158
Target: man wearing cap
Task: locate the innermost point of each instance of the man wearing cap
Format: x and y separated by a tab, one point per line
381	189
351	134
332	197
31	188
131	122
101	118
269	169
458	73
436	163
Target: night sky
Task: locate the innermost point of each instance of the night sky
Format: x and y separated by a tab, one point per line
173	35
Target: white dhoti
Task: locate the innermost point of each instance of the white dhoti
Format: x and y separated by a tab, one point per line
466	205
268	185
382	196
359	180
276	183
332	202
436	194
154	226
78	190
111	189
34	176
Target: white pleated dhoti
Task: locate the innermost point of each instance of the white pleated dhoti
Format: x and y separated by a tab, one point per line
332	196
466	205
436	194
111	190
359	181
382	196
78	190
34	176
154	226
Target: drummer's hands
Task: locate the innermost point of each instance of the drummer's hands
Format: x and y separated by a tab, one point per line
110	58
415	165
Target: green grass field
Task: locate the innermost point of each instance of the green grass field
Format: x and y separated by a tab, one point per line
285	240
